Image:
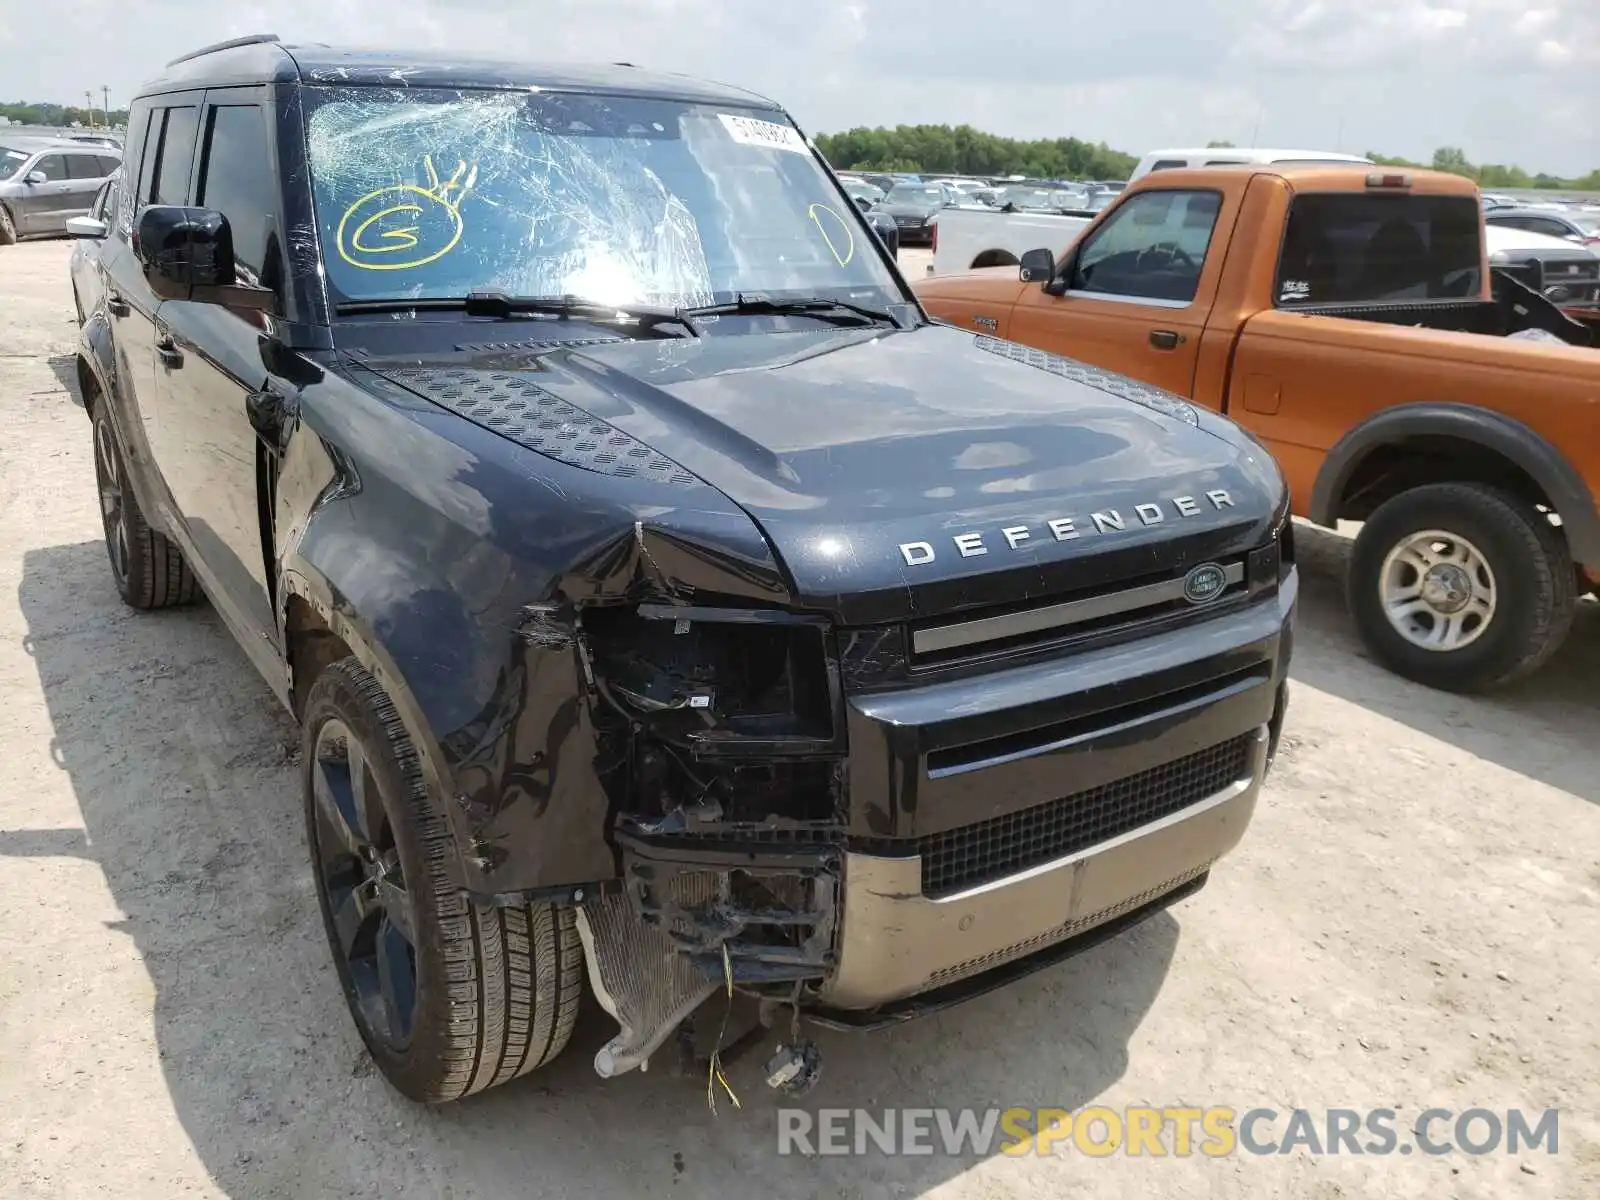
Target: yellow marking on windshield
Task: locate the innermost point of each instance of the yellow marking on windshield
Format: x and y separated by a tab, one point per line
432	214
849	252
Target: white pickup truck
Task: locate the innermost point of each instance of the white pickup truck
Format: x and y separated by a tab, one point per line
967	238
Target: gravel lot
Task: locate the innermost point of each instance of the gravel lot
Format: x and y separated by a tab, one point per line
1412	921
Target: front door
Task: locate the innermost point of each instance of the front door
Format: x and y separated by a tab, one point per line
42	199
212	362
1139	290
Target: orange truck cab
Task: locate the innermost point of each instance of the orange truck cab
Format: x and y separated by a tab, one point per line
1347	317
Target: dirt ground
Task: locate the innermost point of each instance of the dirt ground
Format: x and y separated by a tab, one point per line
1412	920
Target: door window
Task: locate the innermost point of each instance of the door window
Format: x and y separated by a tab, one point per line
104	207
1548	227
176	156
1169	164
54	167
237	180
1152	248
1354	248
85	166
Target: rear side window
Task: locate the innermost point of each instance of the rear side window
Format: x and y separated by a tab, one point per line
86	166
237	180
1365	248
176	156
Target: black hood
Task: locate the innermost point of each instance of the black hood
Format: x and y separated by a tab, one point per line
899	474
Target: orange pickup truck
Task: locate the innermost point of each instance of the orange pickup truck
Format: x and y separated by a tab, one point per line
1350	319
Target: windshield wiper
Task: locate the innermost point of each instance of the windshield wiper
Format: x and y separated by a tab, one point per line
755	304
499	304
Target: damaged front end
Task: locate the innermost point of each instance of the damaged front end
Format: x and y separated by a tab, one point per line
722	731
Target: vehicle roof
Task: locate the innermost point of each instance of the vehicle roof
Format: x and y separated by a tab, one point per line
1528	210
1508	237
273	61
1254	152
1337	176
33	142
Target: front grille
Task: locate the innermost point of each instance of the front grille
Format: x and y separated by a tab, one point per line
972	855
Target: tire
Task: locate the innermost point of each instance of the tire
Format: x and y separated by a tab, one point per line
476	995
1501	539
8	228
148	569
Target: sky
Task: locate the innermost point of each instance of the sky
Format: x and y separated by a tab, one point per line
1509	81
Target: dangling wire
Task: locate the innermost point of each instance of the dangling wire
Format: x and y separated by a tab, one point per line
715	1076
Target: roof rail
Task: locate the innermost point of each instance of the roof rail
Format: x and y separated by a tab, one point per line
252	39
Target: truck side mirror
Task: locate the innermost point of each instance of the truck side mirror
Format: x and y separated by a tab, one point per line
1038	266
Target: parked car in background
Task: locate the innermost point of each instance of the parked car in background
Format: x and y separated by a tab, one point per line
88	281
913	206
45	182
966	239
883	225
1573	225
1562	271
863	193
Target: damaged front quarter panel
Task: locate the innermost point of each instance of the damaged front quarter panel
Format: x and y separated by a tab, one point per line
598	674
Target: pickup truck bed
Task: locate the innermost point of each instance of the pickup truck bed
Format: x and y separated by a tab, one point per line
1347	317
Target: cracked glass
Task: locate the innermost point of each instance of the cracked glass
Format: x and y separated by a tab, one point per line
435	193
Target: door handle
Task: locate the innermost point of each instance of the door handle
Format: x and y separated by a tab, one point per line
116	305
167	351
1166	339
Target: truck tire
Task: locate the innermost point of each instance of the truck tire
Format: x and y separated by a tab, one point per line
148	569
1461	587
8	227
450	996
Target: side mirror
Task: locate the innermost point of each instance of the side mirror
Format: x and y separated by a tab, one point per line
187	254
33	177
86	227
184	248
863	203
1038	266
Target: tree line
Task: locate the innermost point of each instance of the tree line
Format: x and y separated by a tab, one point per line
963	150
25	113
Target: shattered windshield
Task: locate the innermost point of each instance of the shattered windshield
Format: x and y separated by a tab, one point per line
434	193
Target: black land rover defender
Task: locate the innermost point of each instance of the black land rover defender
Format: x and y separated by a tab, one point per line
664	598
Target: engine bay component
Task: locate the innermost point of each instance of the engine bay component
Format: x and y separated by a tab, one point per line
795	1069
639	980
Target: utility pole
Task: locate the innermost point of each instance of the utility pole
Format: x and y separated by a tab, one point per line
105	103
88	100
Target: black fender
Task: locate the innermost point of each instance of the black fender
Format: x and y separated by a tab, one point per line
1504	435
95	357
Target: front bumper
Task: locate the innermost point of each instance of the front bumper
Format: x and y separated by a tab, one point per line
999	819
896	942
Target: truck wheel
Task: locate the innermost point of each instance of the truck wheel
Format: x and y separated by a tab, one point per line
1461	587
8	228
450	996
149	570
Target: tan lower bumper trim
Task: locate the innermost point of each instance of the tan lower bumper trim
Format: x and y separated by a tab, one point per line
897	942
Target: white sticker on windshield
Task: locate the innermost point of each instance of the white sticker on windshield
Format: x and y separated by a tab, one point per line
15	154
773	136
